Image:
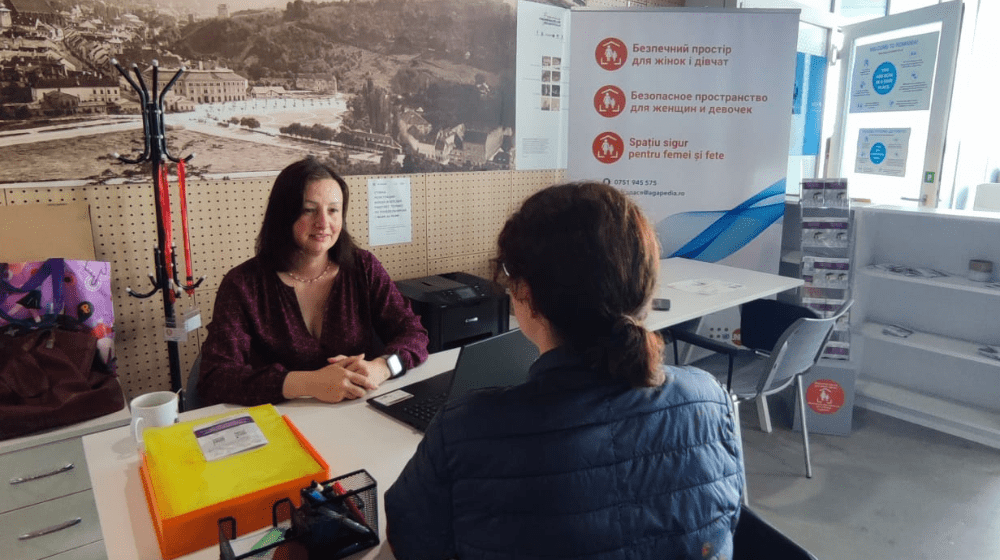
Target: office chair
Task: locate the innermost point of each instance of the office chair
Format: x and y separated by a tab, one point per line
783	342
191	400
755	539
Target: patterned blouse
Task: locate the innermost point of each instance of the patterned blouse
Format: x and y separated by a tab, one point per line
257	334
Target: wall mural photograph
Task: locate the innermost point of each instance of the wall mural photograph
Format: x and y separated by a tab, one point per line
375	87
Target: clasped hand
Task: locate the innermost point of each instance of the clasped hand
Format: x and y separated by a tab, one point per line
344	377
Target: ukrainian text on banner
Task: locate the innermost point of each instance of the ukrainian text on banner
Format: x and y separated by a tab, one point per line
688	112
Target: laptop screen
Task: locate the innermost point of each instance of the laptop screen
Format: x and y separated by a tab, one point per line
499	361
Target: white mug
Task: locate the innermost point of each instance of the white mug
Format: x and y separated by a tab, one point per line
153	410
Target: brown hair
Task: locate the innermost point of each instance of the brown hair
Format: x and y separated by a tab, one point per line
276	241
590	259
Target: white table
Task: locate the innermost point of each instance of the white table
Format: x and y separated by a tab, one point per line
352	435
687	305
349	435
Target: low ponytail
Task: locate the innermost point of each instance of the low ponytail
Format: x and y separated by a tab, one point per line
637	354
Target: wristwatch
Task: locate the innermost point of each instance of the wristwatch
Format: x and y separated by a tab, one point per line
395	365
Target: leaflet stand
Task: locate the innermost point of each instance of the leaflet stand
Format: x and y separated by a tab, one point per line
825	243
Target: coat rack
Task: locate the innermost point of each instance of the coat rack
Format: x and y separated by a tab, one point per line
165	275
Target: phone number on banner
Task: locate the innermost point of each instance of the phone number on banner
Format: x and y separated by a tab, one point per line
631	182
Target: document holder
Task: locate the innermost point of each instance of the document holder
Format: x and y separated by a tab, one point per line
182	534
338	517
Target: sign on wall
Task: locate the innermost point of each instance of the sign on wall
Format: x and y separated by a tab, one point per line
882	151
390	215
688	112
894	75
542	85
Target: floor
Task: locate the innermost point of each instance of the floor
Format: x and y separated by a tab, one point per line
889	490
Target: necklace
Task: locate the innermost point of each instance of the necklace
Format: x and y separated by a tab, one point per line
321	274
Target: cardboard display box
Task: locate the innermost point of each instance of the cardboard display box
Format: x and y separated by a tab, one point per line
37	232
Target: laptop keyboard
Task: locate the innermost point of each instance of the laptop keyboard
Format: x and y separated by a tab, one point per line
427	408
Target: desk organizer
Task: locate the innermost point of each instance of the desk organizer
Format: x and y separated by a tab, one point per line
188	532
337	518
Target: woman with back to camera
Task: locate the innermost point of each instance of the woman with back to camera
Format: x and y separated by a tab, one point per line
311	315
604	452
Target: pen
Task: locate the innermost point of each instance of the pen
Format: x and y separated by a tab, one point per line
316	493
350	523
339	490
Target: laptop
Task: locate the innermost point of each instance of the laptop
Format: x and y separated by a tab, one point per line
499	361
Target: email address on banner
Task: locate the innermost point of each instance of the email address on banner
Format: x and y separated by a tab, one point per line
653	193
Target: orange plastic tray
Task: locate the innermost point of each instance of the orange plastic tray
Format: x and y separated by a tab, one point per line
186	533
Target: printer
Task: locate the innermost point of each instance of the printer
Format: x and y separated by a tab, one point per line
457	308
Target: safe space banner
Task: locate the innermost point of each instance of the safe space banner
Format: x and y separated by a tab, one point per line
688	112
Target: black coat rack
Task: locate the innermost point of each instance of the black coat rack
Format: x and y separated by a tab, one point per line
164	278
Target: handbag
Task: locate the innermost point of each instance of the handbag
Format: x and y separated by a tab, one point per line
51	378
56	349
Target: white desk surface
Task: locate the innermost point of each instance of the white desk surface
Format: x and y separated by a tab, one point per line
349	435
106	422
687	305
352	435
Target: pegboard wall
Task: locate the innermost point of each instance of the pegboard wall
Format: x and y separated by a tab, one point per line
455	219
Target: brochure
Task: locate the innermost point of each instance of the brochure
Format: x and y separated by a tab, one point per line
911	271
229	436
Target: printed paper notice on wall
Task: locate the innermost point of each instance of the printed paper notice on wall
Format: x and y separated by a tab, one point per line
389	211
883	151
895	74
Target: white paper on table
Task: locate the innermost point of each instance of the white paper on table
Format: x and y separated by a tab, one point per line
705	286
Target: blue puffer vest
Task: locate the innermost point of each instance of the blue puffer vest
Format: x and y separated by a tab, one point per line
573	464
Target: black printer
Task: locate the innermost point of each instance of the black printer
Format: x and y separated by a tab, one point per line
457	308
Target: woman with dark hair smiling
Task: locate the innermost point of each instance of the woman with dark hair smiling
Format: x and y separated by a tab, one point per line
311	315
604	453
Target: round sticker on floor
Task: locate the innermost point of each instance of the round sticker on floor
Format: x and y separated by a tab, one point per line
825	396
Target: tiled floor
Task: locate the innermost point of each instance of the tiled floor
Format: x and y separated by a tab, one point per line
890	490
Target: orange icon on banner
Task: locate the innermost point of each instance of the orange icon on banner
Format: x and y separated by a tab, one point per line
609	101
825	396
611	54
608	147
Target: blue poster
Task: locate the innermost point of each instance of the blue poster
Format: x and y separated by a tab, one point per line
807	104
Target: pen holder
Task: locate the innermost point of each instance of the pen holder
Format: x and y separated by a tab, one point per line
338	517
341	515
279	542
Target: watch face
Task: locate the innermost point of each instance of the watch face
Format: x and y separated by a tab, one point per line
395	366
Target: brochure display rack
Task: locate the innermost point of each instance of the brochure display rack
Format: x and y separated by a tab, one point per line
818	243
825	244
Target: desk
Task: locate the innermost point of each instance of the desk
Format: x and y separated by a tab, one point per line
352	435
686	305
349	435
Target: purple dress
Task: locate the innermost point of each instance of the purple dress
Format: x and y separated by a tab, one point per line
257	334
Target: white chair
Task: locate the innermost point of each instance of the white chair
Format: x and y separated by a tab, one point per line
755	373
